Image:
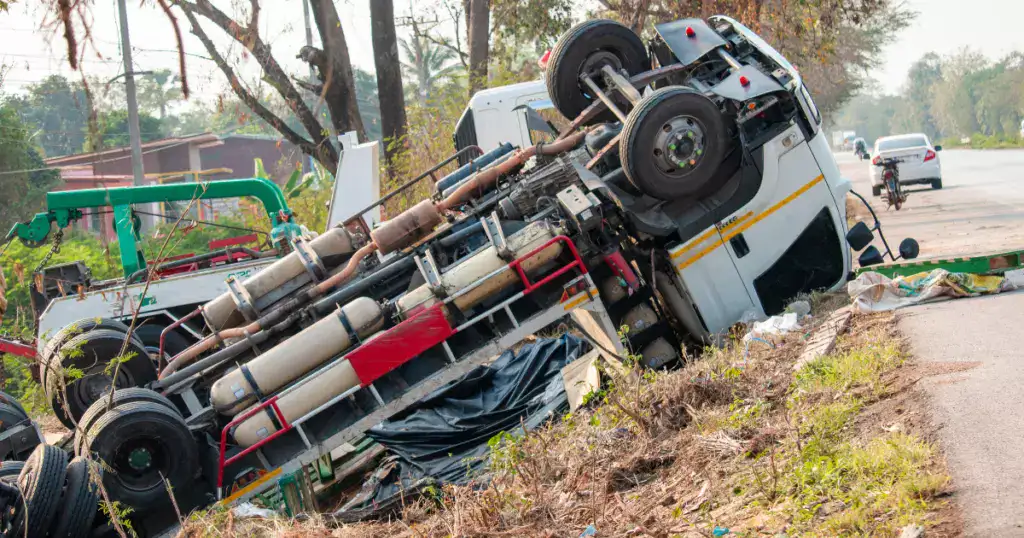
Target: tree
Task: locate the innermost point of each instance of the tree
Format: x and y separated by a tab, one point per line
479	43
916	113
57	112
524	29
427	62
331	63
158	90
389	76
112	130
23	184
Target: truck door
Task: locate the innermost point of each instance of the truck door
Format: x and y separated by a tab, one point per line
786	240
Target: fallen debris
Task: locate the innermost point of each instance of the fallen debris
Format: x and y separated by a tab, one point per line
874	292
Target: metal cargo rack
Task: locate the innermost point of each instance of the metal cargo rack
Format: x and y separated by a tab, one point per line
433	331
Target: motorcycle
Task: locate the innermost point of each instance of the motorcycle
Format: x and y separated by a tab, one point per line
891	180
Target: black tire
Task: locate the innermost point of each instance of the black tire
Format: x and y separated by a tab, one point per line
937	183
10	416
13	402
92	352
138	442
644	160
149	335
42	482
70	331
585	47
10	470
876	190
78	503
121	396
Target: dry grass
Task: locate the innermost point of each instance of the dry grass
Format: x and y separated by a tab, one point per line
734	440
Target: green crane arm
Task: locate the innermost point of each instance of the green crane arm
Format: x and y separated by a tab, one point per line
63	207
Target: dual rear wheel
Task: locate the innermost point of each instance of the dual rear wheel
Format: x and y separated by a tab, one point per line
675	142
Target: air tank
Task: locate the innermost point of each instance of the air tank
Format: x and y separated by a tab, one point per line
223	312
297	355
483	263
335	380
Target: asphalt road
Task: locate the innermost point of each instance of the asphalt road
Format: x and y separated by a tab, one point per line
979	209
978	405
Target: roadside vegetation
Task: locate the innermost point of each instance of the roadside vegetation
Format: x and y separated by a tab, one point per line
737	443
980	141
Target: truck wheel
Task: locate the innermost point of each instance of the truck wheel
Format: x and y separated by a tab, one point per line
78	503
876	190
121	396
10	470
70	331
7	399
149	335
92	353
41	482
675	144
585	48
141	442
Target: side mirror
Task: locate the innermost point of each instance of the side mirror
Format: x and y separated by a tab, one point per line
909	249
938	148
859	236
870	256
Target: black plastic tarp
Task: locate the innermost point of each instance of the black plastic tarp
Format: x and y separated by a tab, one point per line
444	438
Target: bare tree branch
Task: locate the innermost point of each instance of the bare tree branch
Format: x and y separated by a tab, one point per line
273	73
323	151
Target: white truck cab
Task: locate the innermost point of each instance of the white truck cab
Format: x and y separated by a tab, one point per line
498	115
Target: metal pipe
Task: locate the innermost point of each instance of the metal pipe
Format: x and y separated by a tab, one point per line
484	179
171	327
209	342
358	287
604	98
225	354
410	183
735	64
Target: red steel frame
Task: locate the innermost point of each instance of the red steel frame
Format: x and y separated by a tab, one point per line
413	336
223	463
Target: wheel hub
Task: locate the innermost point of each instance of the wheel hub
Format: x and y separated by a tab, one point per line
140	459
680	144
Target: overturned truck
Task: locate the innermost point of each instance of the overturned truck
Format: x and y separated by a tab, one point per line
692	187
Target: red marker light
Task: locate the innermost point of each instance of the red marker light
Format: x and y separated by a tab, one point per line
744	81
929	155
544	59
690	32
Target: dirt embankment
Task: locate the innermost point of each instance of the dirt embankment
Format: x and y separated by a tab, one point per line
740	442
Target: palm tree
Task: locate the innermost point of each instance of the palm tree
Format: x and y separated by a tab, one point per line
427	63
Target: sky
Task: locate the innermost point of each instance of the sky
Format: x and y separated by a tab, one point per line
943	26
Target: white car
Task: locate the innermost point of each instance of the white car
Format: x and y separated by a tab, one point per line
918	161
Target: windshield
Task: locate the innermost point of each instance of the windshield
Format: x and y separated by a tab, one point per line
762	46
887	144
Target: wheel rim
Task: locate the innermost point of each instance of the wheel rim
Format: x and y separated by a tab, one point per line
592	67
92	387
139	462
680	145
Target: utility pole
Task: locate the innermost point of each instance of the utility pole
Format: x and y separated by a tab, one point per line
133	105
309	38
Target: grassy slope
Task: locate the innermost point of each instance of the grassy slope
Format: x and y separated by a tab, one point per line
737	441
